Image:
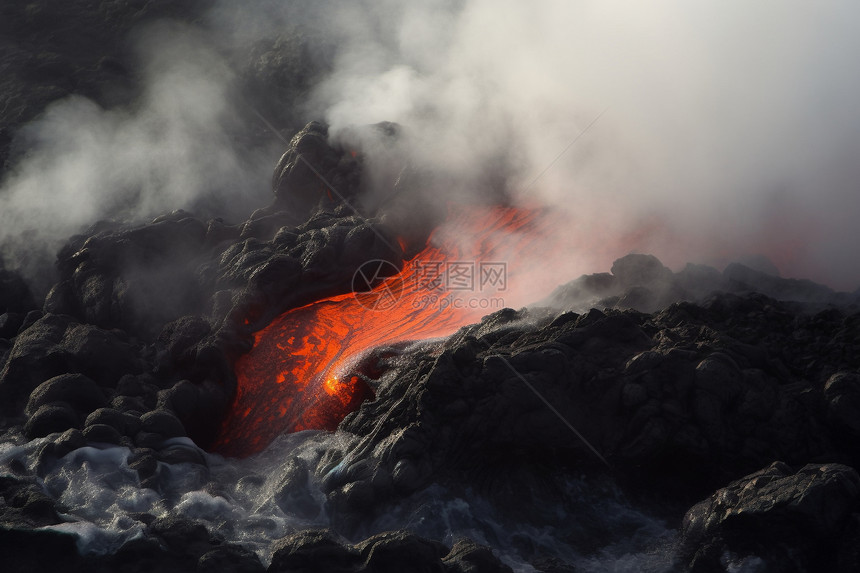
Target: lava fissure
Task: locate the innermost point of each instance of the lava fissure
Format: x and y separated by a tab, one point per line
296	376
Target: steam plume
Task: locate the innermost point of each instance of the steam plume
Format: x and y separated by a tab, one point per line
172	149
731	127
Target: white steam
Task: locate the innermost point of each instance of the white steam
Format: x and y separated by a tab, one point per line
171	150
731	127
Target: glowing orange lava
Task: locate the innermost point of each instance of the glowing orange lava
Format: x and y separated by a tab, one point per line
296	376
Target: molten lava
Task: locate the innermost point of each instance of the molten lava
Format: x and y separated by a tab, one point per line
296	375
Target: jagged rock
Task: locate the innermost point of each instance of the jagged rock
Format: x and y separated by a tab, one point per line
312	551
179	339
759	263
311	171
316	259
386	552
682	400
794	521
466	556
642	282
181	454
69	441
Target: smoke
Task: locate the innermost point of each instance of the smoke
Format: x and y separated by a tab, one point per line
729	128
699	132
174	148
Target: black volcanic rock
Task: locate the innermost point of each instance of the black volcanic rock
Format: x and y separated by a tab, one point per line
55	345
123	423
10	323
842	396
15	296
777	287
74	389
311	551
300	264
25	504
49	419
229	558
640	270
675	401
320	551
102	434
312	172
135	279
38	550
163	423
795	521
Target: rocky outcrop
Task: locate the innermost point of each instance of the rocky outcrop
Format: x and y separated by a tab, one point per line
55	345
803	520
677	402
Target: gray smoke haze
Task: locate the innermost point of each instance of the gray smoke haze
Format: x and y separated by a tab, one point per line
730	127
172	149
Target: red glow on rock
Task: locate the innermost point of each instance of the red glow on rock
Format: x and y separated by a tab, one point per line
297	377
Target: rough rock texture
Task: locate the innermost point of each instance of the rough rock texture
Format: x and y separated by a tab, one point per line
180	545
133	347
678	402
57	344
794	521
320	551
